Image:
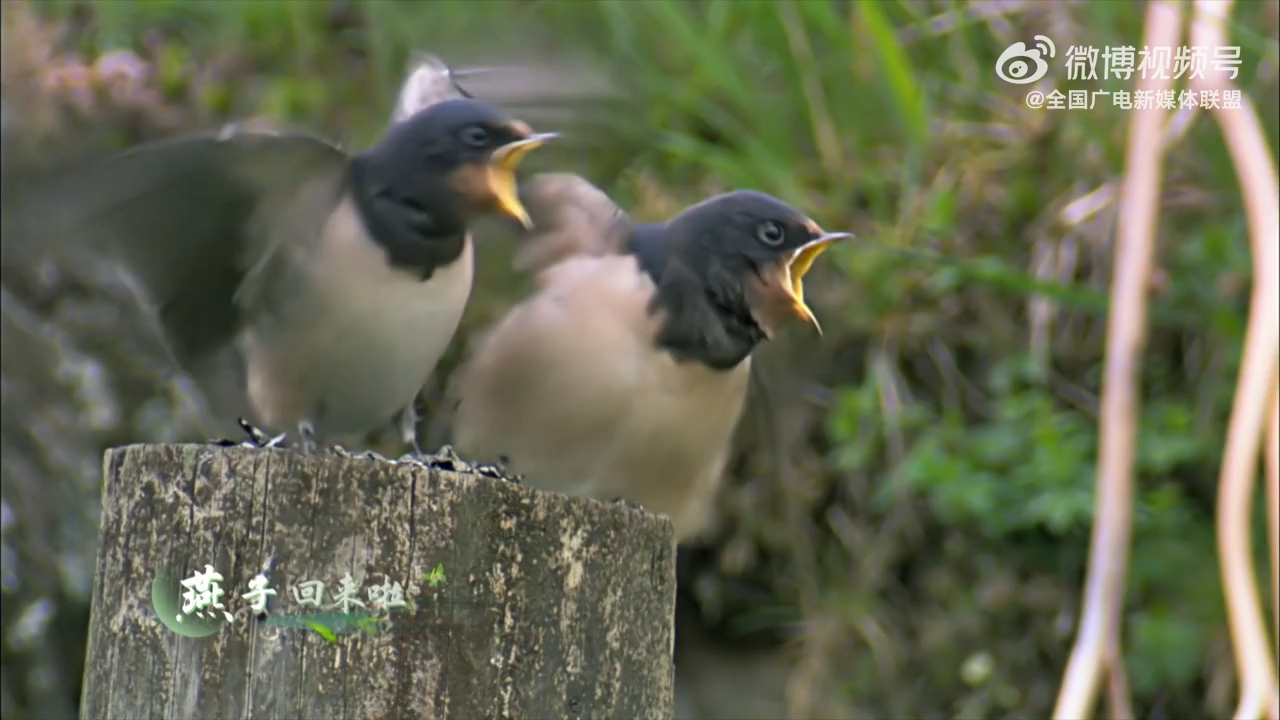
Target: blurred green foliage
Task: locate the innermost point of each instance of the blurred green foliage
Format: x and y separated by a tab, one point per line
964	332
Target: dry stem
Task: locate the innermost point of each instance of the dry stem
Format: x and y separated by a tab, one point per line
1273	507
1098	643
1252	158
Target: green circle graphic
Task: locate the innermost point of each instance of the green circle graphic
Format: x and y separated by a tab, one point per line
166	600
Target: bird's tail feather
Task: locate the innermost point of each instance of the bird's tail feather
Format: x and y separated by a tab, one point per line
428	81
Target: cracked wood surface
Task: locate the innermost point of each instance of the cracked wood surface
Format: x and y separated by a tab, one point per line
550	607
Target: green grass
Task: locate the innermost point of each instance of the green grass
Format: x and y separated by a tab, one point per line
960	446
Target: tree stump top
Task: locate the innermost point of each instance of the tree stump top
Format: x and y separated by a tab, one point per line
518	603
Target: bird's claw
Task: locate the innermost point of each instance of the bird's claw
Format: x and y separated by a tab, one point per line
500	470
365	455
255	438
497	471
446	458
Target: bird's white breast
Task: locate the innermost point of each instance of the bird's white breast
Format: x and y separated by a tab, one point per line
365	335
570	388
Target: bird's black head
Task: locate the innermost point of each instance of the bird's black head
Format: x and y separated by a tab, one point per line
452	161
733	274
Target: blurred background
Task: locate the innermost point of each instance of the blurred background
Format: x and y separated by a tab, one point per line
904	531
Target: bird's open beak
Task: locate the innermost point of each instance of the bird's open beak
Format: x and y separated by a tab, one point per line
502	175
799	266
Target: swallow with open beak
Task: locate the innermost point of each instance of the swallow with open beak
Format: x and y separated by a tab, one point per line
338	280
624	374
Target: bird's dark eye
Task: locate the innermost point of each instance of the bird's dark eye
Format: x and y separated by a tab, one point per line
475	136
770	233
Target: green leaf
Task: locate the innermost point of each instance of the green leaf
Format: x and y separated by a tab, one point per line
322	630
898	73
1164	650
436	577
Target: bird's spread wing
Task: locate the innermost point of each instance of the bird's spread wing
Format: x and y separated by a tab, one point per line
570	217
197	221
559	371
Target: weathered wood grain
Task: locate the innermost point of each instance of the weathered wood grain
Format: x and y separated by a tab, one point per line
551	607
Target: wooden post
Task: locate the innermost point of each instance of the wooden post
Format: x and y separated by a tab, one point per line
519	603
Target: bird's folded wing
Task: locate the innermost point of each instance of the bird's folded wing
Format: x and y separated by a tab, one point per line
570	217
197	222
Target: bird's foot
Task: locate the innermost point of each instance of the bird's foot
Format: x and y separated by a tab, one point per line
307	438
409	431
497	471
364	454
500	470
256	438
446	458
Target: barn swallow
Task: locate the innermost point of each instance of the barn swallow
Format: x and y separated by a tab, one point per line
337	279
625	373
